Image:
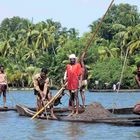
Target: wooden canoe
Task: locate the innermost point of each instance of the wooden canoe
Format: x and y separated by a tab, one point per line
128	110
123	120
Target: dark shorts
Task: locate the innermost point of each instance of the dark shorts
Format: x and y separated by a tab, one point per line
39	96
84	85
82	88
3	89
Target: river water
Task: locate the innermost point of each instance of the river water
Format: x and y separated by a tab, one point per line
15	127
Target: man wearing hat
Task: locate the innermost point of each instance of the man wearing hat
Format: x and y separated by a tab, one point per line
72	76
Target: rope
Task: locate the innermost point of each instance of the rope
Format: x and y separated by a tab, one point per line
121	77
124	64
13	100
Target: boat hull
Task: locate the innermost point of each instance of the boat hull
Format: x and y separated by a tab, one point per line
121	121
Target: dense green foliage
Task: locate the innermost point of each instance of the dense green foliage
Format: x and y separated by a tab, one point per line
25	47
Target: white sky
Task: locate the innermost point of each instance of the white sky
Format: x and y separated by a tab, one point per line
70	13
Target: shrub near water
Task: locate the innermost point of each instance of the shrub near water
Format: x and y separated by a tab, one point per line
109	71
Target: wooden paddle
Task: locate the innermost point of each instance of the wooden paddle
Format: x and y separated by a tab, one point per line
51	101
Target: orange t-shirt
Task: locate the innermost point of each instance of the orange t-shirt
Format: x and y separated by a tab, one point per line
73	73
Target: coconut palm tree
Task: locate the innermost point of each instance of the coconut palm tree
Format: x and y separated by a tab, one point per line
134	45
106	49
6	43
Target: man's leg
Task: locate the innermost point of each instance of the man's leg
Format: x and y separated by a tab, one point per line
52	113
72	102
39	103
82	92
77	101
4	99
51	107
4	95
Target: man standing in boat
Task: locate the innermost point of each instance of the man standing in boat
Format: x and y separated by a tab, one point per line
84	79
41	89
3	84
72	76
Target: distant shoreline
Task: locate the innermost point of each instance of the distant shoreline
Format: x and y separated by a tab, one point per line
90	90
111	90
15	89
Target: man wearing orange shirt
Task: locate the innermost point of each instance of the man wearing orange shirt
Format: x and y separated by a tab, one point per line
72	76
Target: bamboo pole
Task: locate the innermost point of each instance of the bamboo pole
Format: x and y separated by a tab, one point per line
97	28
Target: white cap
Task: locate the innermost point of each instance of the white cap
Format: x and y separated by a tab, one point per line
72	56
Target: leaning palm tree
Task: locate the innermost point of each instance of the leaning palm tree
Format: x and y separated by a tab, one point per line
39	35
106	49
6	43
30	71
119	43
73	33
134	45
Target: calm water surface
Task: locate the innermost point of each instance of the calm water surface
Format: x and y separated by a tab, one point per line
14	127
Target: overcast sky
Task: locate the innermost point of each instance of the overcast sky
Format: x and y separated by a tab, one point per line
70	13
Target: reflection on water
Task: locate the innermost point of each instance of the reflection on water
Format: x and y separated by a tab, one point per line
4	116
74	131
137	134
40	128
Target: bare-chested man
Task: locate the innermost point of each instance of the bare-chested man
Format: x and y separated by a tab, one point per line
41	89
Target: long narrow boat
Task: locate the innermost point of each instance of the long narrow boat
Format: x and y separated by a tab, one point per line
124	110
114	120
4	109
128	110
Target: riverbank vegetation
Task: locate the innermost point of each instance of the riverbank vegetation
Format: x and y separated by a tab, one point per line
25	47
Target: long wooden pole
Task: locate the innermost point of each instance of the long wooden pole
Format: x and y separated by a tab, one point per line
84	51
97	28
50	102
